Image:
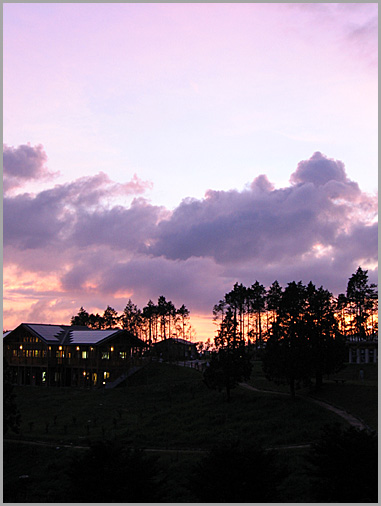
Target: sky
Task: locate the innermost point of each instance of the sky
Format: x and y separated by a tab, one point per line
175	149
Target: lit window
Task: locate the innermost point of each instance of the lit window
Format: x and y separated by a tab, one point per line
84	354
105	355
106	375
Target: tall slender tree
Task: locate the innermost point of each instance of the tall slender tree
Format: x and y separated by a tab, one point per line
326	344
257	302
183	313
361	297
286	356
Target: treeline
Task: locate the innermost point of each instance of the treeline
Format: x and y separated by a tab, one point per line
298	332
252	311
153	323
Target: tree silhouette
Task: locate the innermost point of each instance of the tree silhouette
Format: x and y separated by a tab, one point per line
183	312
362	297
131	319
231	363
82	318
286	357
110	318
327	347
257	301
303	340
149	314
273	299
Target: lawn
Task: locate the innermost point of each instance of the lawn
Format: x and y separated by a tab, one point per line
163	407
355	395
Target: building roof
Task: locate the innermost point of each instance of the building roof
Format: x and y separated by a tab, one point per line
176	341
73	334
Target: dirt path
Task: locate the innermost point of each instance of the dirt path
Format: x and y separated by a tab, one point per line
351	419
151	450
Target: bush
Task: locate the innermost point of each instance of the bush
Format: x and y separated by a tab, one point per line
109	472
344	466
232	473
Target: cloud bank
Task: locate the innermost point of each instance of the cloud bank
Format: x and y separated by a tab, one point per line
87	250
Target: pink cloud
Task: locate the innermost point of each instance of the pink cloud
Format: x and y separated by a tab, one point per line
319	228
24	163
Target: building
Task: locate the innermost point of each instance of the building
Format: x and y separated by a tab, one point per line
362	351
63	355
175	350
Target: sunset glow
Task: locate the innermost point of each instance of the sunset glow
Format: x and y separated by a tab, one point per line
176	149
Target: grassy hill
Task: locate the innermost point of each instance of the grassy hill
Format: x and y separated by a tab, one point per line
165	409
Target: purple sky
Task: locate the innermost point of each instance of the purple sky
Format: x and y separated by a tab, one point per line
174	149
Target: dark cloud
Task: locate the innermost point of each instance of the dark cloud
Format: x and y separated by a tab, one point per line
77	214
319	170
263	222
319	228
22	164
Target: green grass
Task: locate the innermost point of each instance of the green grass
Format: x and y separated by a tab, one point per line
162	407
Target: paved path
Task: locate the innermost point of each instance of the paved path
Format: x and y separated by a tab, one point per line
351	419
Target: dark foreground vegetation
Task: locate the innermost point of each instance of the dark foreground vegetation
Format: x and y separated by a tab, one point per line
166	437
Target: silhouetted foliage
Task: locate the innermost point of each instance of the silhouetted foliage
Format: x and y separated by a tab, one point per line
154	322
109	472
235	473
303	339
345	466
227	368
11	414
361	298
231	363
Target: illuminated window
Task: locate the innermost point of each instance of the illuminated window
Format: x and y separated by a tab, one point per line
43	376
84	354
106	375
105	355
123	354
